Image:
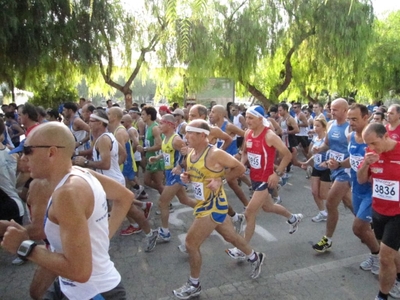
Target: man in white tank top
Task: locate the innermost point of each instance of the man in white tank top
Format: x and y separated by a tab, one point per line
78	127
76	220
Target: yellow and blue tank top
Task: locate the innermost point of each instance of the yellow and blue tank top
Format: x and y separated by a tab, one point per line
209	202
171	156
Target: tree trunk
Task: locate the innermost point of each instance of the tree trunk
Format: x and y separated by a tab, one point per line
257	94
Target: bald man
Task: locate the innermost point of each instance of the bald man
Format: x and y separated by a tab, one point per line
217	117
199	111
336	142
76	223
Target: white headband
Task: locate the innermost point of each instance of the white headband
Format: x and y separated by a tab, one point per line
196	129
94	116
255	113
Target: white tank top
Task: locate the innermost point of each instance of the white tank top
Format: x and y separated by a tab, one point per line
8	178
104	275
114	172
303	130
78	134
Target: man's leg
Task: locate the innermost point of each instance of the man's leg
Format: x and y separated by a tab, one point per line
198	232
388	270
337	192
41	282
233	184
166	196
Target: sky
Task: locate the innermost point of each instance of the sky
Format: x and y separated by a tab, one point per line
383	6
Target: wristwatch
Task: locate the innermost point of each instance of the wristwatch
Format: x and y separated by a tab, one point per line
25	249
279	173
85	163
80	143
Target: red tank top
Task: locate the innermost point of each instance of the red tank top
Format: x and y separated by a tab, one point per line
394	134
386	182
261	156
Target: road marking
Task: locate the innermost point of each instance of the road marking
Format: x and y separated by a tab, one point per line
239	288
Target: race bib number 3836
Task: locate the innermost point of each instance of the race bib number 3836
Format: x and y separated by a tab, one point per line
386	189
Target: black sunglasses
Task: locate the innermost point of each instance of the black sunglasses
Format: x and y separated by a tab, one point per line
29	149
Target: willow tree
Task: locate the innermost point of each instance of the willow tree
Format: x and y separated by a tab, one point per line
263	43
382	69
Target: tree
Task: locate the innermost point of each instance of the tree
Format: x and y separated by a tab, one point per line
382	70
266	45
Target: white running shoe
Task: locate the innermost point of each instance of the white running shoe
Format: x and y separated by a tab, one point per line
395	291
239	224
235	253
319	218
256	266
295	225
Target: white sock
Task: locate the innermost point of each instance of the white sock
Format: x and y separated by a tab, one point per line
135	225
252	256
165	230
235	217
323	212
195	281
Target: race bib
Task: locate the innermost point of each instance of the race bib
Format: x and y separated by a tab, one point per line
339	157
198	190
167	159
254	160
355	162
386	189
317	159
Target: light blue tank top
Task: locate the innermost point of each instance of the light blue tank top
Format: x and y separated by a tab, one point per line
357	152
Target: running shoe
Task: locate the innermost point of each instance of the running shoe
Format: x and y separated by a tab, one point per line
17	261
147	210
138	191
323	245
239	223
319	218
143	196
371	264
182	248
277	200
188	290
150	241
295	225
235	253
395	291
130	230
162	236
256	265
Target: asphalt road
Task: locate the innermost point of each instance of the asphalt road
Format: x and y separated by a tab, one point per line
292	270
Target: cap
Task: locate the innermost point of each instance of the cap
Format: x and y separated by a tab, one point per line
164	108
18	149
178	111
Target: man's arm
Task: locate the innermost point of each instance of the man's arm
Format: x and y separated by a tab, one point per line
134	137
234	130
275	126
292	122
217	133
303	120
274	141
122	200
122	137
242	121
70	209
220	158
244	157
104	148
157	140
79	124
363	174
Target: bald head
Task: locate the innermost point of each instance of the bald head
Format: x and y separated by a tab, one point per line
340	102
126	119
117	112
169	118
200	124
218	109
375	128
53	134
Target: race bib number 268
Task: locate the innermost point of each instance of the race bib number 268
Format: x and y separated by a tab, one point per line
386	189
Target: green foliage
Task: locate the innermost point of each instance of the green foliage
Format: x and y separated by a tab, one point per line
52	94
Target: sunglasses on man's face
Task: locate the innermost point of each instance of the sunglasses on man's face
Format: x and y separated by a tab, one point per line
29	149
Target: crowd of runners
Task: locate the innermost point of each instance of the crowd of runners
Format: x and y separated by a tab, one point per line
82	171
